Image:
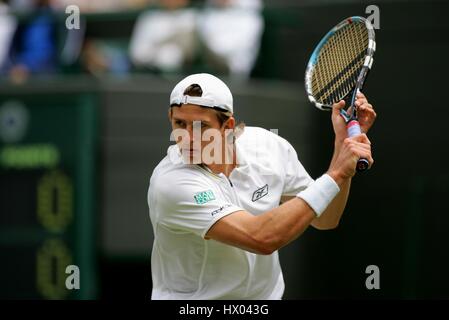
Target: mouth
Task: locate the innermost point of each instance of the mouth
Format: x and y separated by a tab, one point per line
190	151
191	155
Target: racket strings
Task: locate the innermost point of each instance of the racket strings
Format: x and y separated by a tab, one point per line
341	55
339	63
348	76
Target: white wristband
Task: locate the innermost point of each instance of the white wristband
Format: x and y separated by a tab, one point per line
320	193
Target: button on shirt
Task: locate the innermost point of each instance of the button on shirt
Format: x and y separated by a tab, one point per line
185	200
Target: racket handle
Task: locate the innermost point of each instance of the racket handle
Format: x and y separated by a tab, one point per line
353	128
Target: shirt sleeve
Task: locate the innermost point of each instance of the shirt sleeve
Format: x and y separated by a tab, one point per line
192	203
296	176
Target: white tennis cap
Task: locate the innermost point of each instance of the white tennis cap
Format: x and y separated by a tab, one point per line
216	93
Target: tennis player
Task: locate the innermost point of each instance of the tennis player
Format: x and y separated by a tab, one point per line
217	219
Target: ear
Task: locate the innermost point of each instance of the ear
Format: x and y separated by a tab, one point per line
230	123
170	113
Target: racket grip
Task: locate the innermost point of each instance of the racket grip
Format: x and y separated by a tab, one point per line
353	128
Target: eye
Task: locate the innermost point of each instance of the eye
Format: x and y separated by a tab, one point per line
179	123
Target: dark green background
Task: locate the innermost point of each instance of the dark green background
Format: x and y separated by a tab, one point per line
68	121
398	214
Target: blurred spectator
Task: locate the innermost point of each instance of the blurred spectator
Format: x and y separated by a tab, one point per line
34	48
165	39
224	37
100	57
8	25
228	33
100	6
231	32
22	6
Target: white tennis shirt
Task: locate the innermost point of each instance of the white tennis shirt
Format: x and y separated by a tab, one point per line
185	200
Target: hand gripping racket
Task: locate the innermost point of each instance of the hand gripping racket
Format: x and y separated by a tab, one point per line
338	68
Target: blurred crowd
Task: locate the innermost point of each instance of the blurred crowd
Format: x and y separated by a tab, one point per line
168	36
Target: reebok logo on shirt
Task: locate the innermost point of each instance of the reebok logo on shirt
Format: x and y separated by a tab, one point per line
204	197
260	193
213	213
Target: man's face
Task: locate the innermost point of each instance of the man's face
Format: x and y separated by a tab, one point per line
195	128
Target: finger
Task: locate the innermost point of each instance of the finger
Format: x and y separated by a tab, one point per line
360	153
359	147
336	107
367	114
363	145
360	102
366	105
339	105
360	95
360	138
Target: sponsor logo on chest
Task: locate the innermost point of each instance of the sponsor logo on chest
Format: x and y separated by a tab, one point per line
204	197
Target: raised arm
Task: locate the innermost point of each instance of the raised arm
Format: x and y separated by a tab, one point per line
268	232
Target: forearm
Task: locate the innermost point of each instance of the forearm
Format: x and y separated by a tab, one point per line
332	215
280	226
265	233
289	220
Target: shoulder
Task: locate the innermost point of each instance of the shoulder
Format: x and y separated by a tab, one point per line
172	179
263	143
251	134
256	132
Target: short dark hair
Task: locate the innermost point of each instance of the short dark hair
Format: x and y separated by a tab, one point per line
194	90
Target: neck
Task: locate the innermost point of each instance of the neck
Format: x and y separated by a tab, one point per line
225	168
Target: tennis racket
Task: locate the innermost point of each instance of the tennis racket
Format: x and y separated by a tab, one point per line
338	68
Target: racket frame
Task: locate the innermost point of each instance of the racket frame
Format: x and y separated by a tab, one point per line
352	124
369	59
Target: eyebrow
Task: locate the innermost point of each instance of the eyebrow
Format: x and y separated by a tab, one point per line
202	121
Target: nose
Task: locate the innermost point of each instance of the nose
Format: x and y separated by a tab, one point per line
194	130
189	128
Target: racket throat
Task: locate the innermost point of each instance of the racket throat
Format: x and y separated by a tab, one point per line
348	117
